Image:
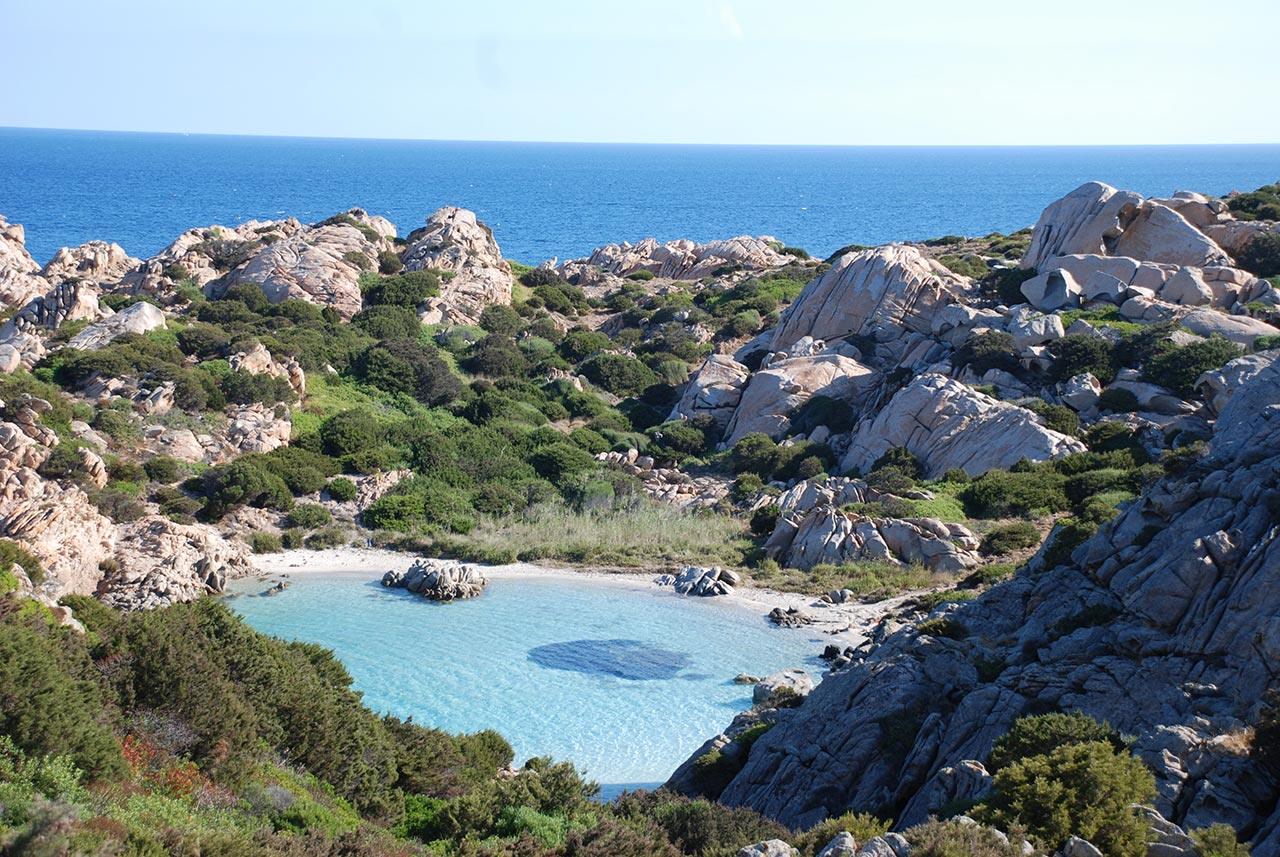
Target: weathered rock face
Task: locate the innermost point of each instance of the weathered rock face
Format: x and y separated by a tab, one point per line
19	274
256	428
315	265
97	261
1240	329
455	241
1163	624
1097	219
159	562
796	681
138	318
59	525
21	344
681	260
948	425
439	579
883	292
824	534
196	254
669	484
773	393
715	391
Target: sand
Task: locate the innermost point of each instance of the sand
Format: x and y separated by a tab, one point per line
841	624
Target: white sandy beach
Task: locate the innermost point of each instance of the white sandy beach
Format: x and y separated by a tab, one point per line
843	624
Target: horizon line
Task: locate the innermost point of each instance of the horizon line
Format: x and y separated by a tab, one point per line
640	143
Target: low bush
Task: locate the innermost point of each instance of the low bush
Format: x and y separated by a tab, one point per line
1179	368
1219	840
1117	400
263	542
1261	256
952	838
619	374
1082	352
1006	284
1039	734
1006	494
993	349
342	489
308	516
1078	789
1010	538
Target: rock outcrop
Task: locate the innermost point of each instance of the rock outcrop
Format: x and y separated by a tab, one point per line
1162	624
456	242
317	264
258	361
1095	218
827	535
948	425
158	562
439	579
681	260
880	293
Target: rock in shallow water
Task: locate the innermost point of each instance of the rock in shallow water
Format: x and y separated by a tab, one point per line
439	579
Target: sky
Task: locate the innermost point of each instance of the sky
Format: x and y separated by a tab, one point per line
840	72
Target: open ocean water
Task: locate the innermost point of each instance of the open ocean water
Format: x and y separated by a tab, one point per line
558	199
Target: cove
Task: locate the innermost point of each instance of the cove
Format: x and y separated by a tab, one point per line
618	676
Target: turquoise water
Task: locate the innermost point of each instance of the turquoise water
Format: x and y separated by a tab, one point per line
625	680
556	199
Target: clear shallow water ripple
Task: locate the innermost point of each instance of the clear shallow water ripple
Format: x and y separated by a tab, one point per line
624	680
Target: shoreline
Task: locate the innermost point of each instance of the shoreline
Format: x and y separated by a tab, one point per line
839	624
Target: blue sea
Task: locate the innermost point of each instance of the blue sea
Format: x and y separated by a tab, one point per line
555	199
622	678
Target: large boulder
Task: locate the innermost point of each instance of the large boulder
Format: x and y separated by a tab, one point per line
317	264
456	242
680	260
1097	219
773	394
439	579
138	318
884	292
949	425
1051	290
715	391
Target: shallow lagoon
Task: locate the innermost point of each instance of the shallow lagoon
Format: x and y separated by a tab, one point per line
622	678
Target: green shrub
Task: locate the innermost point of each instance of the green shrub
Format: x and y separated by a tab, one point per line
163	469
1005	494
349	432
241	483
308	516
1261	256
12	553
389	262
405	290
993	349
1179	368
407	366
1010	538
1116	400
342	489
937	838
559	461
263	542
1218	840
501	319
1039	734
755	453
1082	352
902	459
1082	486
1084	789
835	414
765	519
1006	284
619	374
496	357
641	276
242	388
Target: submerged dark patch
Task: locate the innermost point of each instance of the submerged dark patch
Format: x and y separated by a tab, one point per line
628	659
